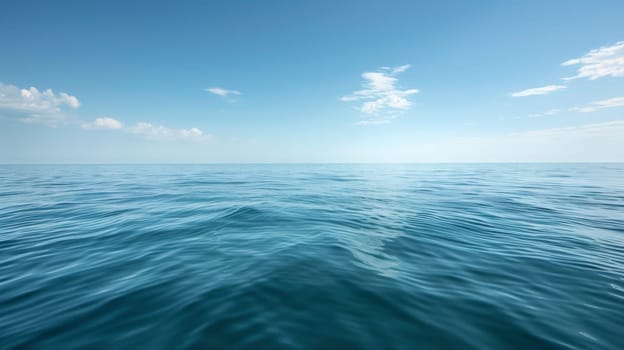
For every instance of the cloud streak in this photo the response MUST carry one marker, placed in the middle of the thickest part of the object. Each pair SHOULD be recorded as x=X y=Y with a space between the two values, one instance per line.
x=376 y=121
x=222 y=92
x=547 y=113
x=599 y=63
x=381 y=98
x=544 y=90
x=611 y=127
x=595 y=142
x=598 y=105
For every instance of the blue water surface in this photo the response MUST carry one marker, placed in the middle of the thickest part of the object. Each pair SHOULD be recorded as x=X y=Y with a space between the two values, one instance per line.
x=496 y=256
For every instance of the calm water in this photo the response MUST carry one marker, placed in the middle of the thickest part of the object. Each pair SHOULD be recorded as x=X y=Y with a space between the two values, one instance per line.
x=312 y=257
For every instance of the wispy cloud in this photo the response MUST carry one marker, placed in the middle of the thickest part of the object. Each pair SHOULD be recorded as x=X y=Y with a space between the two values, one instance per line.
x=400 y=69
x=148 y=130
x=35 y=106
x=222 y=92
x=607 y=61
x=382 y=98
x=616 y=126
x=159 y=132
x=599 y=63
x=549 y=112
x=598 y=105
x=538 y=91
x=596 y=142
x=103 y=123
x=376 y=121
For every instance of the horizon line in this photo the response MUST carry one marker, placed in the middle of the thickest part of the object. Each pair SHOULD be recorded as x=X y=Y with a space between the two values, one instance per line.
x=322 y=163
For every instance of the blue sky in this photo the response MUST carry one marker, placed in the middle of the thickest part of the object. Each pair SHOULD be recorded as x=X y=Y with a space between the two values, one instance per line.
x=311 y=81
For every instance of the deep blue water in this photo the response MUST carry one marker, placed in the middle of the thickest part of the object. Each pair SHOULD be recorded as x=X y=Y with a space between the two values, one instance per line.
x=312 y=256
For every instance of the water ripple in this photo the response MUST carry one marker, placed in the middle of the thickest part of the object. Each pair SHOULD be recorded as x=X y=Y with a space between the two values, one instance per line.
x=521 y=256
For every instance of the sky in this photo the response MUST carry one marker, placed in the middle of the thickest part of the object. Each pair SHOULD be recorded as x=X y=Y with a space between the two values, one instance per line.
x=311 y=81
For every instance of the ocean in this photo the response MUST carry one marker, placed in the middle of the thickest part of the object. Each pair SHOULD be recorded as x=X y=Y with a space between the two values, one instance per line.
x=312 y=256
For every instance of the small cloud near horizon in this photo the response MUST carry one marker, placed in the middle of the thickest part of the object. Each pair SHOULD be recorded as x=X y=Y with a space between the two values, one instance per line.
x=35 y=106
x=151 y=131
x=148 y=130
x=103 y=123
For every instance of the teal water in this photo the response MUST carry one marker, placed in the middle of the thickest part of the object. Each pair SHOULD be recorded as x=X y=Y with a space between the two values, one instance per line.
x=526 y=256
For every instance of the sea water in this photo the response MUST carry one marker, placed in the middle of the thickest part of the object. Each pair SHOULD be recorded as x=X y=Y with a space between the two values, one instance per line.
x=334 y=256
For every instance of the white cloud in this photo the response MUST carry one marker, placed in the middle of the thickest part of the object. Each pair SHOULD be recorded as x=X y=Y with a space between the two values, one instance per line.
x=597 y=105
x=538 y=91
x=47 y=107
x=148 y=130
x=382 y=98
x=400 y=69
x=36 y=106
x=103 y=123
x=599 y=63
x=160 y=132
x=549 y=112
x=222 y=92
